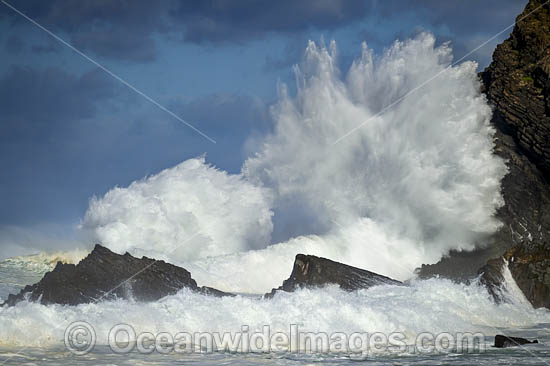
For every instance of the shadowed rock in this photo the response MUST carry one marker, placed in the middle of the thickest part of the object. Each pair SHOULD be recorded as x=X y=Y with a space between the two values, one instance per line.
x=502 y=341
x=491 y=276
x=312 y=271
x=105 y=275
x=530 y=269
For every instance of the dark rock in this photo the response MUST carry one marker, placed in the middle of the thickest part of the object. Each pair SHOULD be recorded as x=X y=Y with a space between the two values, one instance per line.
x=491 y=276
x=104 y=275
x=213 y=292
x=312 y=271
x=502 y=341
x=530 y=268
x=517 y=86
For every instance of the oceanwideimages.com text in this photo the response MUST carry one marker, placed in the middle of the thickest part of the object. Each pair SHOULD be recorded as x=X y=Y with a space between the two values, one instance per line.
x=81 y=338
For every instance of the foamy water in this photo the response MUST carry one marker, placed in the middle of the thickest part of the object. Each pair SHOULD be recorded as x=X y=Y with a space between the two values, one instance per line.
x=17 y=272
x=425 y=306
x=34 y=334
x=408 y=185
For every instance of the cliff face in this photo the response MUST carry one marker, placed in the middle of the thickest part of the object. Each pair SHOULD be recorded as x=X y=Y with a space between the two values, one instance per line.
x=517 y=85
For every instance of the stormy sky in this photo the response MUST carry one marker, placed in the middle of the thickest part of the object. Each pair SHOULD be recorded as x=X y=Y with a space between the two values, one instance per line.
x=69 y=130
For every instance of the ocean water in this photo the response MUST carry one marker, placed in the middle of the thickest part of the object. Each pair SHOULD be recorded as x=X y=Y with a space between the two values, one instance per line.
x=537 y=355
x=34 y=334
x=341 y=176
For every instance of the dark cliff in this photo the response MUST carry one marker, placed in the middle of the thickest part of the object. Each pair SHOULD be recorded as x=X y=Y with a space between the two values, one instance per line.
x=517 y=86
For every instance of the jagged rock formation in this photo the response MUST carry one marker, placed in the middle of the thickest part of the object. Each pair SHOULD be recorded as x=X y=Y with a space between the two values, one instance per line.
x=502 y=341
x=312 y=271
x=517 y=85
x=105 y=275
x=530 y=268
x=491 y=276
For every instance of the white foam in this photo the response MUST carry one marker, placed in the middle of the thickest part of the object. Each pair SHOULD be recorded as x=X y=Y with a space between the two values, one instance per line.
x=360 y=244
x=413 y=182
x=422 y=171
x=434 y=306
x=513 y=292
x=190 y=211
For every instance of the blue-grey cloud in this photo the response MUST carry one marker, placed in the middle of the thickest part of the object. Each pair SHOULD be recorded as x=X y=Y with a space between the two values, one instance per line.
x=126 y=30
x=231 y=119
x=41 y=110
x=40 y=97
x=467 y=23
x=222 y=21
x=65 y=138
x=14 y=44
x=112 y=28
x=46 y=48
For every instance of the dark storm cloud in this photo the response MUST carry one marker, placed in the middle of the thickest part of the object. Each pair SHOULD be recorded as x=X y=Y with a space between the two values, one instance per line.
x=223 y=21
x=464 y=16
x=120 y=45
x=33 y=100
x=466 y=23
x=112 y=28
x=125 y=29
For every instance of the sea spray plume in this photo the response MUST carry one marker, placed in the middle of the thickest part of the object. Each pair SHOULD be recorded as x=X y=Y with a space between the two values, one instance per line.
x=415 y=181
x=154 y=216
x=422 y=170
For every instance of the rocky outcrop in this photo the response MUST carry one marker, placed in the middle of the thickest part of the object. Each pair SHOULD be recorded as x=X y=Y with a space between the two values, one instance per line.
x=530 y=269
x=502 y=341
x=517 y=85
x=311 y=271
x=491 y=276
x=104 y=275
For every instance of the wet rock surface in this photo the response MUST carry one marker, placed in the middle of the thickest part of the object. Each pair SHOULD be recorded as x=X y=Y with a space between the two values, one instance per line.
x=311 y=271
x=105 y=275
x=492 y=277
x=502 y=341
x=530 y=268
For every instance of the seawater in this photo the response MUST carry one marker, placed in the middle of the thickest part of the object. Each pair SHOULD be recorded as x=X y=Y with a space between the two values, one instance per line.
x=33 y=334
